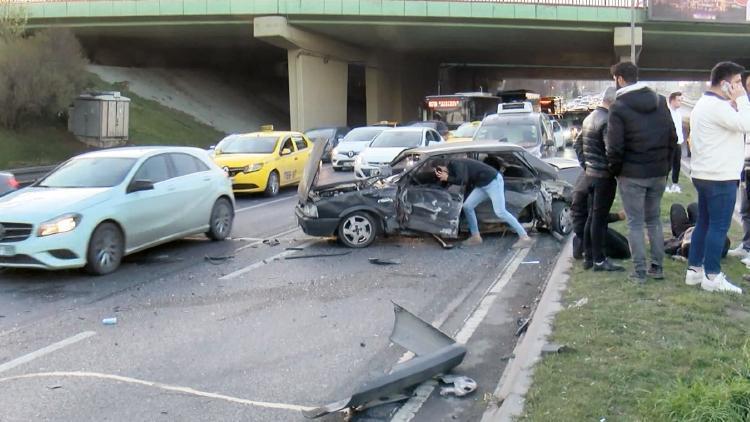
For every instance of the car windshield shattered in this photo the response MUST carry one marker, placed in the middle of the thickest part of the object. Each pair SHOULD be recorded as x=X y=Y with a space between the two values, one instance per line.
x=89 y=173
x=396 y=139
x=248 y=145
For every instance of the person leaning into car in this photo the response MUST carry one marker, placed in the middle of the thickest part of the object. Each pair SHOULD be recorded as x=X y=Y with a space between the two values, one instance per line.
x=487 y=183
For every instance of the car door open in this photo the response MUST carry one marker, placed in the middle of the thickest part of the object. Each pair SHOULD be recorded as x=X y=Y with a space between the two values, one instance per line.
x=426 y=206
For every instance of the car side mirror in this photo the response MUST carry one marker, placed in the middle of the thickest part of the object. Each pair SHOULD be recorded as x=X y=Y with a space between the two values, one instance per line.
x=212 y=147
x=286 y=151
x=140 y=185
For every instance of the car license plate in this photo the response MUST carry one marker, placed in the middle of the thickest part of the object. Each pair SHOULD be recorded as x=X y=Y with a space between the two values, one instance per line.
x=6 y=250
x=346 y=165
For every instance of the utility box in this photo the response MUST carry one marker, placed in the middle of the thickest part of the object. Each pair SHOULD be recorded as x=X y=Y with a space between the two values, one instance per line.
x=100 y=119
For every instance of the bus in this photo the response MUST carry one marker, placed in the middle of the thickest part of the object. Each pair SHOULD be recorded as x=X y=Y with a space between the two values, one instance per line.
x=459 y=108
x=521 y=96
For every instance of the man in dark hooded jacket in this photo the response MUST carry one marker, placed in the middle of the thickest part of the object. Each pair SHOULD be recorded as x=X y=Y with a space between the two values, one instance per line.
x=639 y=144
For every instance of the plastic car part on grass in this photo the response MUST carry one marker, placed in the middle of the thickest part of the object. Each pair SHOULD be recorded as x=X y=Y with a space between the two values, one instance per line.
x=436 y=353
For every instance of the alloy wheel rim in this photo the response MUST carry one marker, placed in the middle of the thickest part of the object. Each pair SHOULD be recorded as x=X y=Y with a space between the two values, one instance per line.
x=357 y=230
x=107 y=250
x=222 y=220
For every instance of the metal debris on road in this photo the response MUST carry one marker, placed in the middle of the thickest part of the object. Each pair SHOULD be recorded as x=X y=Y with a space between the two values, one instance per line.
x=316 y=255
x=217 y=260
x=54 y=387
x=294 y=249
x=271 y=242
x=461 y=385
x=381 y=261
x=523 y=325
x=442 y=242
x=109 y=321
x=530 y=262
x=436 y=353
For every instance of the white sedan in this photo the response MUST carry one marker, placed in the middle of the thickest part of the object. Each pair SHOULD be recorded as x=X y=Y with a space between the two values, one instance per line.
x=389 y=144
x=98 y=207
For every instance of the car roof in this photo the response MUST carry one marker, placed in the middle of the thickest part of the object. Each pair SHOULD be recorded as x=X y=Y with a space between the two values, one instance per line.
x=532 y=116
x=138 y=152
x=459 y=147
x=407 y=129
x=259 y=134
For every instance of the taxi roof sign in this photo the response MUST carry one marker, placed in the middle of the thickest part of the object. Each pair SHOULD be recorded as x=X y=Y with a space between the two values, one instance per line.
x=519 y=107
x=266 y=128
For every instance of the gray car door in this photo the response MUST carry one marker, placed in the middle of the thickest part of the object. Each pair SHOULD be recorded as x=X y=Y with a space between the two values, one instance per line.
x=428 y=207
x=192 y=188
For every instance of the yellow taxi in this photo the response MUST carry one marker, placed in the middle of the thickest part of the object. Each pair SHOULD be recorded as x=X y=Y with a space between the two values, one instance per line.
x=465 y=132
x=263 y=161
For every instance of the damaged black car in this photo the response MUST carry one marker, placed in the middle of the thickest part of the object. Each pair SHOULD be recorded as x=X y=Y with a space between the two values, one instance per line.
x=406 y=197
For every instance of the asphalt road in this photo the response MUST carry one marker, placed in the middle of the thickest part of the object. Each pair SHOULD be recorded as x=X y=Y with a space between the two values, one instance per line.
x=256 y=336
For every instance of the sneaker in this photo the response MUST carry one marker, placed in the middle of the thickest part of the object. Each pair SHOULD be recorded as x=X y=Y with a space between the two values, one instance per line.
x=472 y=241
x=668 y=189
x=746 y=260
x=523 y=242
x=638 y=277
x=739 y=252
x=719 y=284
x=675 y=188
x=607 y=266
x=693 y=277
x=656 y=272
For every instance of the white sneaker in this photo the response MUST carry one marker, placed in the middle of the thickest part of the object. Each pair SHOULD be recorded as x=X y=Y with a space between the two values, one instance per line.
x=739 y=252
x=746 y=260
x=719 y=284
x=668 y=189
x=676 y=188
x=693 y=278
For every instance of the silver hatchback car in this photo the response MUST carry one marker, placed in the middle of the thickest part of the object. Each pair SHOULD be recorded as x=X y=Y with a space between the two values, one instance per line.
x=98 y=207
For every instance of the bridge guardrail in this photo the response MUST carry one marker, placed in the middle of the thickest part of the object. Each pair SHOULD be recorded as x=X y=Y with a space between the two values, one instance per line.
x=28 y=175
x=639 y=4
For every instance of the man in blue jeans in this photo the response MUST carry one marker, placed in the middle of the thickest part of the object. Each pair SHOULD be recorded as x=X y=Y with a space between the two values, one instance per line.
x=718 y=124
x=487 y=183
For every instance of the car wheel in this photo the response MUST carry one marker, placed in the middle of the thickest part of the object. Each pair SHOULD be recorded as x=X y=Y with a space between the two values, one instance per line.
x=358 y=230
x=106 y=248
x=272 y=187
x=335 y=168
x=222 y=217
x=562 y=220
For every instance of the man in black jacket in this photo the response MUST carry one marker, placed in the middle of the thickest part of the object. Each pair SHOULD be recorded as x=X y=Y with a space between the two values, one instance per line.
x=639 y=142
x=487 y=183
x=603 y=184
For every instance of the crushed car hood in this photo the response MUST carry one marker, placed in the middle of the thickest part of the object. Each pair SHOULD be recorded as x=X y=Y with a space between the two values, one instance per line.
x=312 y=169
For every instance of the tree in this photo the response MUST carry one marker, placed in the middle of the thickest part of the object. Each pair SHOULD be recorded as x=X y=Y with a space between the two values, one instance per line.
x=13 y=19
x=40 y=74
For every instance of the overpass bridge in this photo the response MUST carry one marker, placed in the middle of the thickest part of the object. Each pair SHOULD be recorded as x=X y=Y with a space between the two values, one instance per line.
x=405 y=48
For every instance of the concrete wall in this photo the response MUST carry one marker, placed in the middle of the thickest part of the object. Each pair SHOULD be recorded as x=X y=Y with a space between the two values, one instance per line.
x=317 y=90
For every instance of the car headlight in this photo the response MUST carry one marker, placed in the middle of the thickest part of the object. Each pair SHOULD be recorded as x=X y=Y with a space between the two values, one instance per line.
x=310 y=210
x=62 y=224
x=335 y=151
x=253 y=168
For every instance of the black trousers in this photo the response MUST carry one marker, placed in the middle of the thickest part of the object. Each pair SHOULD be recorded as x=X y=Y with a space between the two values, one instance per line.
x=601 y=197
x=676 y=163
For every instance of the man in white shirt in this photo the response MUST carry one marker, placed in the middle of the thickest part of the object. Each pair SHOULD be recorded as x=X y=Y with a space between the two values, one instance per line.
x=718 y=133
x=675 y=102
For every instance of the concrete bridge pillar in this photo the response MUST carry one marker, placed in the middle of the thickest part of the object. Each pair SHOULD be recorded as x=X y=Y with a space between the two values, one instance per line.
x=622 y=43
x=318 y=72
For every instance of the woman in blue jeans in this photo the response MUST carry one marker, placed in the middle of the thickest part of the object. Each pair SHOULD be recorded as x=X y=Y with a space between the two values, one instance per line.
x=487 y=183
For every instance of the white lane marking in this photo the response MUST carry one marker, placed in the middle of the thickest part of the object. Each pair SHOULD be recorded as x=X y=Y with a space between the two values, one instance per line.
x=45 y=351
x=167 y=387
x=275 y=236
x=258 y=264
x=409 y=410
x=275 y=201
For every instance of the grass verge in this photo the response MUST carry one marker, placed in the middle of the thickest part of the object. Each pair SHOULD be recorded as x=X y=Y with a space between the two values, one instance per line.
x=44 y=142
x=660 y=352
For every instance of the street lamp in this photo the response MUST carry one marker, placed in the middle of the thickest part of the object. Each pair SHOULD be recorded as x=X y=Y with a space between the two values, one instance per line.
x=632 y=31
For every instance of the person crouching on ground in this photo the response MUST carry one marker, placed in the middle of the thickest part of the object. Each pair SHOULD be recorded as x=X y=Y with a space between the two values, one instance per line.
x=487 y=183
x=718 y=131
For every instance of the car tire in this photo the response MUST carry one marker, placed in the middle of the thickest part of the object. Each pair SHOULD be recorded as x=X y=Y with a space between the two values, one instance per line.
x=222 y=218
x=273 y=185
x=106 y=249
x=562 y=222
x=335 y=168
x=357 y=230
